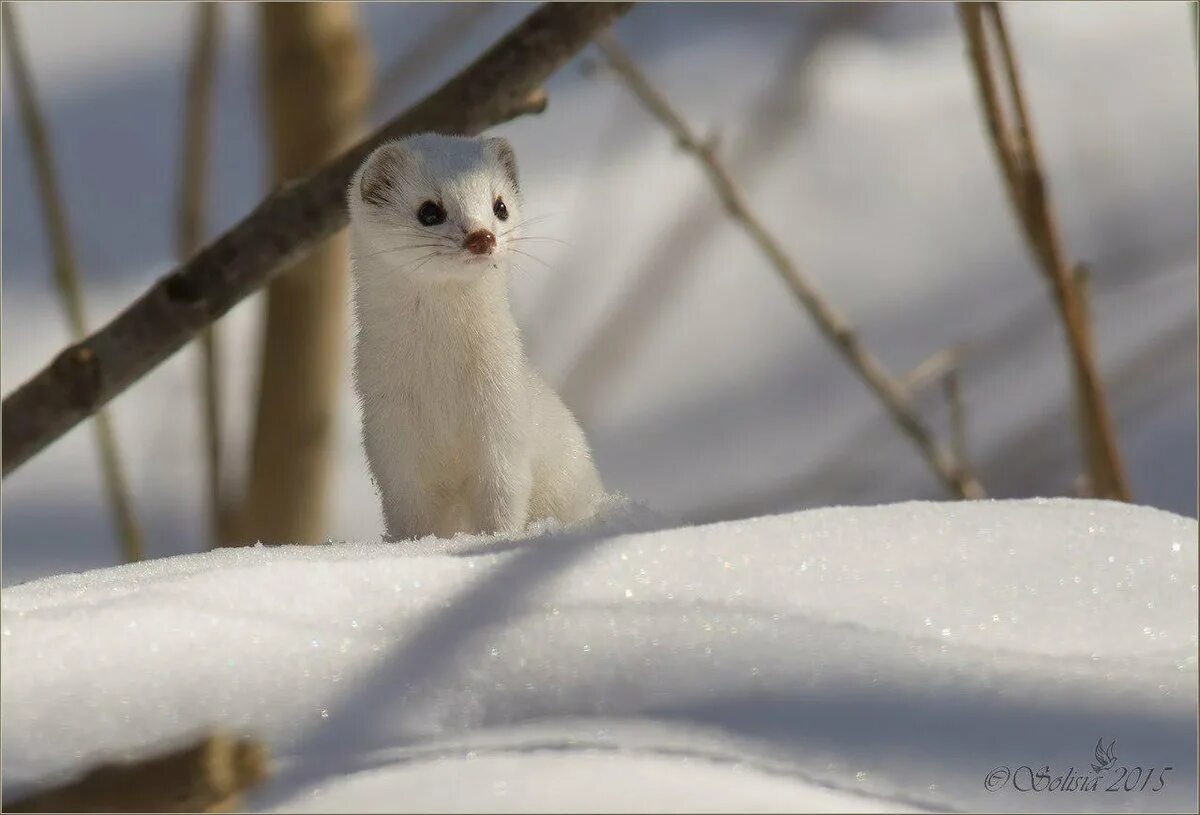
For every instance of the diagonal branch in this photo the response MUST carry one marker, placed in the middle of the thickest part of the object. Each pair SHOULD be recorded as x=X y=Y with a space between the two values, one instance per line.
x=896 y=400
x=193 y=195
x=66 y=278
x=932 y=369
x=1016 y=151
x=505 y=82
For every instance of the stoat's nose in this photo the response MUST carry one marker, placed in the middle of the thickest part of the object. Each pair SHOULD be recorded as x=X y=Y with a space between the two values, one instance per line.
x=480 y=242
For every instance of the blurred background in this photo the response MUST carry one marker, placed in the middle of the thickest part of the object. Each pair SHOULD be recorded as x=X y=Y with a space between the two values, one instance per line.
x=855 y=131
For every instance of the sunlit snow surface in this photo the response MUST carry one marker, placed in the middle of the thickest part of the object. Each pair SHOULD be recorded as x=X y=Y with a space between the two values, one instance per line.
x=884 y=658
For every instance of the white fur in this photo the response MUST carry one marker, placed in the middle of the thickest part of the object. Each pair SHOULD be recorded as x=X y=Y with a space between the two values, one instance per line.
x=461 y=434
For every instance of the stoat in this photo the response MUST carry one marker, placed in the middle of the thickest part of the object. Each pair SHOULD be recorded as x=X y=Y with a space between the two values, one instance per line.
x=461 y=434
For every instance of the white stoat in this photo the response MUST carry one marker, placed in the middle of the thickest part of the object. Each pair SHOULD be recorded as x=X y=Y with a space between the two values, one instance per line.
x=461 y=434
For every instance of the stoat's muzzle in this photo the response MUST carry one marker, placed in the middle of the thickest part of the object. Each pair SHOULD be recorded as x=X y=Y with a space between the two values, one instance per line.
x=480 y=242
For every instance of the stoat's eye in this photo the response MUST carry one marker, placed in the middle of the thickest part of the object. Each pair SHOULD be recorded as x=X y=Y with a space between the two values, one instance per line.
x=500 y=210
x=431 y=214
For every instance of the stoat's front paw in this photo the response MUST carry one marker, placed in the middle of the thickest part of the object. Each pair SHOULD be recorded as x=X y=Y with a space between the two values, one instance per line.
x=501 y=508
x=501 y=520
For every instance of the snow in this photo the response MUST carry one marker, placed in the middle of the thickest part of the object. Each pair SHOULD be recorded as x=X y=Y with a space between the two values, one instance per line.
x=858 y=138
x=846 y=658
x=540 y=778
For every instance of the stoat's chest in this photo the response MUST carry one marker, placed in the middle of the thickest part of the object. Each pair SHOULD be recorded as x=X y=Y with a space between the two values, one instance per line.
x=446 y=378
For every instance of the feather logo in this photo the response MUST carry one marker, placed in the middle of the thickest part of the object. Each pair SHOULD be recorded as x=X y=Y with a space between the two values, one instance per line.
x=1105 y=757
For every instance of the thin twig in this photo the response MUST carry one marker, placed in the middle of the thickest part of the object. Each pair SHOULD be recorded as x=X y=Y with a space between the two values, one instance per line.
x=1085 y=482
x=952 y=387
x=832 y=325
x=209 y=775
x=624 y=330
x=503 y=83
x=945 y=367
x=1016 y=151
x=193 y=195
x=66 y=278
x=934 y=368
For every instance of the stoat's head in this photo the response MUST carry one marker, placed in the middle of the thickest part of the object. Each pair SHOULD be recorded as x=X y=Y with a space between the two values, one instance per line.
x=436 y=207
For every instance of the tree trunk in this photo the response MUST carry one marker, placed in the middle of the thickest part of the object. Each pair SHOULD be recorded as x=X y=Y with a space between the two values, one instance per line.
x=316 y=76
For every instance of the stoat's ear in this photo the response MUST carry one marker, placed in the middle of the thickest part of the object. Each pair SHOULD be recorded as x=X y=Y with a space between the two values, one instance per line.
x=503 y=152
x=384 y=166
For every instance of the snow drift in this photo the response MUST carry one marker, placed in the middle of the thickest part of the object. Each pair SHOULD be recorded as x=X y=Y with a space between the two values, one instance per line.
x=885 y=658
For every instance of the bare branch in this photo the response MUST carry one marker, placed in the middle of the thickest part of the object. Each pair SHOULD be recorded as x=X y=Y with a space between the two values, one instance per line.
x=502 y=84
x=66 y=278
x=1082 y=279
x=1016 y=151
x=832 y=325
x=193 y=195
x=623 y=330
x=934 y=368
x=945 y=367
x=958 y=417
x=209 y=775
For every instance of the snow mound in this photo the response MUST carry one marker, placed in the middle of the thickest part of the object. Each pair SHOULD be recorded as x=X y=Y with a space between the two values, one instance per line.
x=884 y=658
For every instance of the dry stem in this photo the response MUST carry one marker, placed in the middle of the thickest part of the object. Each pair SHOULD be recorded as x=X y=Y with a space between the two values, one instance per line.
x=945 y=367
x=832 y=325
x=66 y=278
x=625 y=328
x=1024 y=180
x=934 y=368
x=952 y=388
x=315 y=67
x=193 y=194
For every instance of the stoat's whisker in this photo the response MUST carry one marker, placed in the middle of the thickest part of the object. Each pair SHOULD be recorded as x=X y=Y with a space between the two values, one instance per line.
x=425 y=241
x=421 y=260
x=526 y=222
x=420 y=230
x=424 y=257
x=425 y=261
x=531 y=257
x=543 y=216
x=408 y=246
x=409 y=229
x=540 y=238
x=430 y=236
